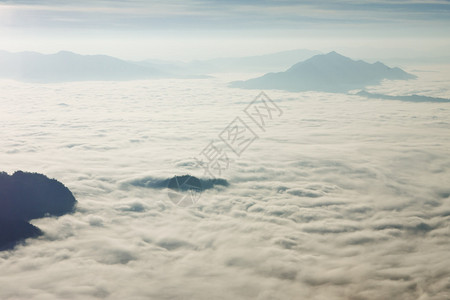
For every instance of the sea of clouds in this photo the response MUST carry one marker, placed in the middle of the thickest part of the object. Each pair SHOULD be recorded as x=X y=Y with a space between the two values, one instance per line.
x=341 y=197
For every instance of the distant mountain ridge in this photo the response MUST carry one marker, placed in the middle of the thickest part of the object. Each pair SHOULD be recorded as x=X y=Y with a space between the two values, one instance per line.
x=324 y=72
x=330 y=72
x=67 y=66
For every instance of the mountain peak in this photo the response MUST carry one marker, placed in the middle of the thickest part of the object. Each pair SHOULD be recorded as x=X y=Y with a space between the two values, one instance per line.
x=322 y=61
x=331 y=72
x=333 y=53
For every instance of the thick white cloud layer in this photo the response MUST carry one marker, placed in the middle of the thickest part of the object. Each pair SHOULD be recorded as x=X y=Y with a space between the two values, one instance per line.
x=342 y=197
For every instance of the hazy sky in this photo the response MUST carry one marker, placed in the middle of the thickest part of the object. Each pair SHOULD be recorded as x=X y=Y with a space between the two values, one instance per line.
x=190 y=29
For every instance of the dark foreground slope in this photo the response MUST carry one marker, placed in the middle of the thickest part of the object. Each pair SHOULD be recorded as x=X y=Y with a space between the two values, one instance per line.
x=26 y=196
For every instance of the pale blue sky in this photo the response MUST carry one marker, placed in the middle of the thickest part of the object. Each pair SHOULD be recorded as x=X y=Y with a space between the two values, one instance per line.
x=197 y=29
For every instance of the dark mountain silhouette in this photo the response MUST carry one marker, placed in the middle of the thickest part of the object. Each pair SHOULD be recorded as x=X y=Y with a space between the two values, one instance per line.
x=67 y=66
x=182 y=190
x=26 y=196
x=330 y=72
x=409 y=98
x=14 y=231
x=159 y=183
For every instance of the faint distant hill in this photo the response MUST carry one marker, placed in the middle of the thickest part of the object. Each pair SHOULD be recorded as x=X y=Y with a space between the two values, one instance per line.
x=247 y=64
x=407 y=98
x=27 y=196
x=330 y=72
x=67 y=66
